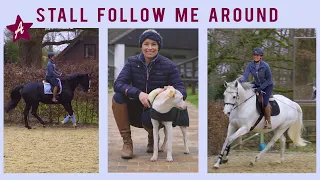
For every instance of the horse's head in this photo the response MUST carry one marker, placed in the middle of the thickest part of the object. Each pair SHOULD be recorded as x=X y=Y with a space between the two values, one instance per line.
x=85 y=82
x=231 y=95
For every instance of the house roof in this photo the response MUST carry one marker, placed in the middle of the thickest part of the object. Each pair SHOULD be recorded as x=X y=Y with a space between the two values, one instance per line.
x=116 y=34
x=172 y=38
x=74 y=42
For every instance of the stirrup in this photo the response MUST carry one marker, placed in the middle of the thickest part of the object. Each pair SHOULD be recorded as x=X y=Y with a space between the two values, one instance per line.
x=267 y=126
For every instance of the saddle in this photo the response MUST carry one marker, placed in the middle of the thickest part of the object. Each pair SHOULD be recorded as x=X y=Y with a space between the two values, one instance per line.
x=48 y=89
x=275 y=110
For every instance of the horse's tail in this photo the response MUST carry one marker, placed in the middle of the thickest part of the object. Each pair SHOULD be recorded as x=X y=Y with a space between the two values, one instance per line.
x=296 y=129
x=15 y=98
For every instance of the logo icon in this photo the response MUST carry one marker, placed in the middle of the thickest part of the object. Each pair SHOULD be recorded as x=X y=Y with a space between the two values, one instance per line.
x=20 y=29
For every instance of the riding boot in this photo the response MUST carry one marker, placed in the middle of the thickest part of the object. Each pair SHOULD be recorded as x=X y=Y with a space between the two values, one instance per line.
x=267 y=114
x=150 y=140
x=54 y=95
x=120 y=112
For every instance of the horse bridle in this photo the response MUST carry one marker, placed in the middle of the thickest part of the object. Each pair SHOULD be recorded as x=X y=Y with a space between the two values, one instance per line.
x=237 y=97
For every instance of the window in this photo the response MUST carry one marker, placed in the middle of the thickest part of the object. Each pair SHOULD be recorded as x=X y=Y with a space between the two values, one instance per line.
x=89 y=51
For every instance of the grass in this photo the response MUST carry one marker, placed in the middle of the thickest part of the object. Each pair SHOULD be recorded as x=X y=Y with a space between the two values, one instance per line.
x=192 y=98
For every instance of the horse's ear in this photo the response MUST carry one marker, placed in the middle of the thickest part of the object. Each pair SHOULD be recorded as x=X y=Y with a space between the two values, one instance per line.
x=236 y=85
x=225 y=84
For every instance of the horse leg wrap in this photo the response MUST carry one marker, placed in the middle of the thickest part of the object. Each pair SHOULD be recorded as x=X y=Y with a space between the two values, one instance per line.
x=227 y=149
x=73 y=119
x=220 y=157
x=66 y=119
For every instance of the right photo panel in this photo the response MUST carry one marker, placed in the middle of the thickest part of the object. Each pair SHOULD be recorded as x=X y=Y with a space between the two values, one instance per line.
x=261 y=101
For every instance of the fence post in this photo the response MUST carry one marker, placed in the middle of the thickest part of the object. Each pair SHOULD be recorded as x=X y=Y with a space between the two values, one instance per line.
x=262 y=145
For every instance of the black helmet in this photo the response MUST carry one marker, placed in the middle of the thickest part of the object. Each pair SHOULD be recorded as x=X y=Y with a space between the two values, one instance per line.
x=50 y=54
x=257 y=51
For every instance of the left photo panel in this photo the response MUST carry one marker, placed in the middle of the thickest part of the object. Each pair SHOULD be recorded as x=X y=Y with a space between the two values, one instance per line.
x=51 y=101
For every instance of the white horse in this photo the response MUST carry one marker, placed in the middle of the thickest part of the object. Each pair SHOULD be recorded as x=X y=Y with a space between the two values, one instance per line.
x=240 y=106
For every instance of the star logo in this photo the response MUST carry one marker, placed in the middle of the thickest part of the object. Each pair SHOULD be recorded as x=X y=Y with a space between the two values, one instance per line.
x=20 y=29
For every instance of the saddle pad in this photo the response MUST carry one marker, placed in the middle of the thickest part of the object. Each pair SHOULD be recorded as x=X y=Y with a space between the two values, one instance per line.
x=275 y=110
x=47 y=87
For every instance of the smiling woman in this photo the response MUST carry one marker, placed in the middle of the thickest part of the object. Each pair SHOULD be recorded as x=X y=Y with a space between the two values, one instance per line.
x=142 y=74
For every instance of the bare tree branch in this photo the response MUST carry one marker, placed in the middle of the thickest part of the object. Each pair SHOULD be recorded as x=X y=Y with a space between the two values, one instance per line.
x=56 y=43
x=59 y=30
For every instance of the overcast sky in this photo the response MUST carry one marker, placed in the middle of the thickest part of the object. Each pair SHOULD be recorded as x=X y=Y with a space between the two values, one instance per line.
x=56 y=36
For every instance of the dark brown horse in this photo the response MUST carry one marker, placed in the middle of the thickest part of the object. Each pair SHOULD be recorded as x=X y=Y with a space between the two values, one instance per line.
x=33 y=94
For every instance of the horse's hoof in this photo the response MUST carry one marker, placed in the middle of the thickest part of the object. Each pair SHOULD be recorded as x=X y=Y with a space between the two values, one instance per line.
x=224 y=161
x=215 y=167
x=28 y=127
x=160 y=150
x=251 y=164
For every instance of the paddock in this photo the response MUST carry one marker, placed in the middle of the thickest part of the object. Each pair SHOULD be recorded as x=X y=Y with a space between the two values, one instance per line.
x=54 y=149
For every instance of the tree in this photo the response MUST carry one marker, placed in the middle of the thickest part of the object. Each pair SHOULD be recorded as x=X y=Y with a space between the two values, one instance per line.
x=30 y=52
x=229 y=50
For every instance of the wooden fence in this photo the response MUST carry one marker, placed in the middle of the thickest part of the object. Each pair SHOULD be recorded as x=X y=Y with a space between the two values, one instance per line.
x=189 y=73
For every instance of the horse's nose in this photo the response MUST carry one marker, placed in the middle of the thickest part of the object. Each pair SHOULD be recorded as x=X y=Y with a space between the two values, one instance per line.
x=228 y=113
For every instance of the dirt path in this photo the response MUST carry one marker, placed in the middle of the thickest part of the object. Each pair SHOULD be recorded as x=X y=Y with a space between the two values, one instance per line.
x=295 y=162
x=51 y=150
x=141 y=161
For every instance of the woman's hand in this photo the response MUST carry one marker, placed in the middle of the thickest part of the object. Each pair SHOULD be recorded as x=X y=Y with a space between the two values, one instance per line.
x=143 y=97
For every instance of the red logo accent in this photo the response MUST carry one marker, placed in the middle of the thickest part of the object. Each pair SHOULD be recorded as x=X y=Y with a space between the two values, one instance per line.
x=20 y=29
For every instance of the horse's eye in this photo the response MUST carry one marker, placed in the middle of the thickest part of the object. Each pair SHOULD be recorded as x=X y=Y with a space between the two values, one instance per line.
x=234 y=97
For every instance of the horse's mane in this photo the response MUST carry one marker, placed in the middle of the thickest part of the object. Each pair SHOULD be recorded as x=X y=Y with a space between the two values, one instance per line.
x=73 y=76
x=247 y=85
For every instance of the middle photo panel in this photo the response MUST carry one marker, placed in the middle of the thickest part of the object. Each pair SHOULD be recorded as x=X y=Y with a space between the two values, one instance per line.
x=153 y=100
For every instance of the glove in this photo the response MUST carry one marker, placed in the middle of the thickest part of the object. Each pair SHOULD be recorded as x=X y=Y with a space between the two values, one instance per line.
x=240 y=79
x=258 y=90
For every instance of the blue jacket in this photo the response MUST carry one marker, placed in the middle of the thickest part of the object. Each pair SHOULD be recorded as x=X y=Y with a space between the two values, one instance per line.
x=51 y=70
x=262 y=76
x=136 y=77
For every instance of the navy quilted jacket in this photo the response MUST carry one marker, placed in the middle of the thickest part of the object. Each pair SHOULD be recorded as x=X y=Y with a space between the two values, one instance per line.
x=136 y=77
x=262 y=76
